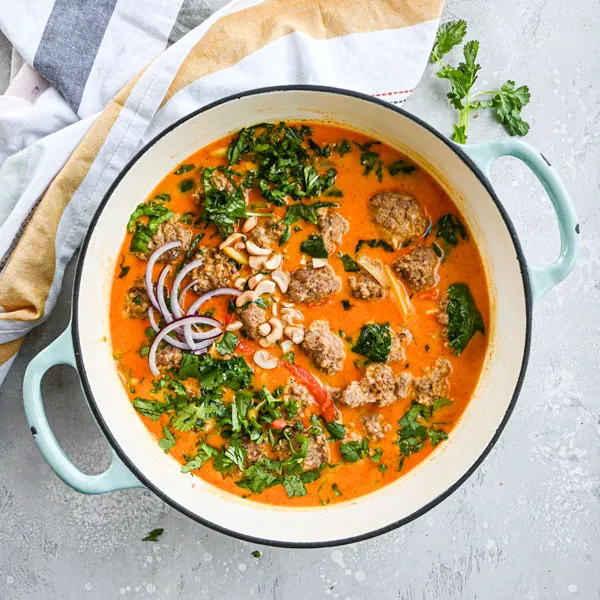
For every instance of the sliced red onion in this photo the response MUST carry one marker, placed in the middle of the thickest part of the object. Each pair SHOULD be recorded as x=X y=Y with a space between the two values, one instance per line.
x=178 y=343
x=160 y=293
x=150 y=267
x=190 y=335
x=186 y=289
x=163 y=334
x=152 y=319
x=224 y=291
x=175 y=307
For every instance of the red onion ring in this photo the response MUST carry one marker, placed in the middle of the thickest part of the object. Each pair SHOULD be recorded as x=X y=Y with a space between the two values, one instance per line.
x=150 y=267
x=160 y=294
x=164 y=333
x=152 y=319
x=186 y=289
x=224 y=291
x=177 y=312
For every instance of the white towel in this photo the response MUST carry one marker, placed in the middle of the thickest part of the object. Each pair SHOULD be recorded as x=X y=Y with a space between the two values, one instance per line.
x=103 y=77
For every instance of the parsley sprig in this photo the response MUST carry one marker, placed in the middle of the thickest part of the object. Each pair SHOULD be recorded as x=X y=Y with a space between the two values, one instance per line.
x=507 y=102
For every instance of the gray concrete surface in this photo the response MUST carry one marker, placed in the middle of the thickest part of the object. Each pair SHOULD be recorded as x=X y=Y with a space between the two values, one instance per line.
x=527 y=523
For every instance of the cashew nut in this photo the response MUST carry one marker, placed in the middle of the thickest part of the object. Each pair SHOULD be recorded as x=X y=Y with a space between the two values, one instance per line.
x=234 y=237
x=257 y=262
x=235 y=326
x=265 y=287
x=257 y=250
x=264 y=329
x=276 y=330
x=254 y=280
x=287 y=345
x=289 y=315
x=295 y=333
x=318 y=263
x=239 y=283
x=265 y=360
x=273 y=262
x=247 y=296
x=282 y=279
x=249 y=224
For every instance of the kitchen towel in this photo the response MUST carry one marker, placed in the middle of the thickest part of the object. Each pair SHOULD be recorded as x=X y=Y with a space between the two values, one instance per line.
x=100 y=78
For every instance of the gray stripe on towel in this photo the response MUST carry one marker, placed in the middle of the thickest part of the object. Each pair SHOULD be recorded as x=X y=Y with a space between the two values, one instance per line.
x=70 y=43
x=191 y=14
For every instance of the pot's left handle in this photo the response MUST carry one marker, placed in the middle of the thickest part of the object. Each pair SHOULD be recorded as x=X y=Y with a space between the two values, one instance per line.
x=116 y=477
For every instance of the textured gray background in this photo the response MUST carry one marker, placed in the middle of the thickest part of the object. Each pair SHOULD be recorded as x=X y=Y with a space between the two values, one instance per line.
x=527 y=523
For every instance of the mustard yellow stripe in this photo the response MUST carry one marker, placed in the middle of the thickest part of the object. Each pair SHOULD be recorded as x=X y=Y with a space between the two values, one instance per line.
x=9 y=349
x=238 y=35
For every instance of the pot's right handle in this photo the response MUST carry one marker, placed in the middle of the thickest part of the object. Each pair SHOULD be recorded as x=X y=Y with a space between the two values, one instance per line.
x=116 y=477
x=542 y=278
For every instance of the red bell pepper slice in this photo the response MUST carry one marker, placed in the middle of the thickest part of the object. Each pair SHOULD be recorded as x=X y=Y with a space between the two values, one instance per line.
x=313 y=385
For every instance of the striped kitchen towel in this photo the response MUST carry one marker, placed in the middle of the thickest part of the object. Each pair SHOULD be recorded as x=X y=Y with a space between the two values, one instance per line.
x=100 y=78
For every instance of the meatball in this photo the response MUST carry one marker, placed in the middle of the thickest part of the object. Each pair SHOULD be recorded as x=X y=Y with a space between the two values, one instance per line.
x=136 y=300
x=434 y=382
x=317 y=453
x=313 y=285
x=325 y=349
x=297 y=392
x=168 y=357
x=254 y=451
x=442 y=316
x=418 y=267
x=364 y=286
x=267 y=232
x=377 y=386
x=216 y=270
x=399 y=342
x=403 y=385
x=399 y=216
x=252 y=317
x=373 y=425
x=171 y=231
x=332 y=227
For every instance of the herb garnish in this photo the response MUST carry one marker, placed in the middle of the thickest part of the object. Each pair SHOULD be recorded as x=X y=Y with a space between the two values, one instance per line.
x=186 y=185
x=374 y=244
x=355 y=450
x=349 y=263
x=124 y=270
x=401 y=166
x=507 y=102
x=184 y=169
x=314 y=246
x=143 y=232
x=463 y=317
x=450 y=229
x=153 y=535
x=168 y=441
x=308 y=212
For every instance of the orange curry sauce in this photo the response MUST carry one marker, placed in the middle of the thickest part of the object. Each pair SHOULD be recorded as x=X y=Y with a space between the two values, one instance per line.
x=463 y=264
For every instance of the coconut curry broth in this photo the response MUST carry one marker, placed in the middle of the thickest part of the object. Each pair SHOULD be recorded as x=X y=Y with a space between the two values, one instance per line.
x=359 y=462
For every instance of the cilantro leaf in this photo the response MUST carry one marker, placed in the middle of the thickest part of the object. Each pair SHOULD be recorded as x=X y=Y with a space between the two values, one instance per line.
x=257 y=479
x=355 y=450
x=227 y=344
x=153 y=409
x=449 y=34
x=153 y=535
x=508 y=103
x=294 y=486
x=168 y=441
x=205 y=452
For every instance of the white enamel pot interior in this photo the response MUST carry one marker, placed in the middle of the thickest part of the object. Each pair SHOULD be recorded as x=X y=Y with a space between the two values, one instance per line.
x=433 y=479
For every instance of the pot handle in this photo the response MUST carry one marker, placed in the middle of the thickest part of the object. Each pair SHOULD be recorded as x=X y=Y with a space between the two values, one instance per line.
x=542 y=278
x=116 y=477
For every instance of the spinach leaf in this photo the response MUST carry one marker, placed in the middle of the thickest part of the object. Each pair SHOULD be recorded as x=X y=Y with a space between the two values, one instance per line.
x=314 y=246
x=346 y=304
x=124 y=270
x=186 y=185
x=183 y=169
x=223 y=204
x=349 y=263
x=142 y=232
x=449 y=228
x=308 y=212
x=163 y=196
x=355 y=450
x=227 y=344
x=374 y=244
x=342 y=147
x=401 y=166
x=463 y=317
x=374 y=342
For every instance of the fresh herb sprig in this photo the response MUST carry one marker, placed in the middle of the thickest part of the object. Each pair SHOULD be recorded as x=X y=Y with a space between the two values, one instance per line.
x=507 y=102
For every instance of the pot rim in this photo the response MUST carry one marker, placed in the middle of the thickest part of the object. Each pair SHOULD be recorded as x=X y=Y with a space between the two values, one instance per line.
x=163 y=495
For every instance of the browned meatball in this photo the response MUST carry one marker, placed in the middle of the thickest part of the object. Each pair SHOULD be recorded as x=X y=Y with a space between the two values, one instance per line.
x=399 y=342
x=168 y=357
x=403 y=385
x=218 y=180
x=332 y=227
x=364 y=286
x=399 y=216
x=442 y=316
x=418 y=267
x=377 y=385
x=136 y=300
x=313 y=285
x=325 y=349
x=252 y=317
x=254 y=451
x=434 y=382
x=373 y=425
x=318 y=450
x=216 y=270
x=267 y=232
x=171 y=231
